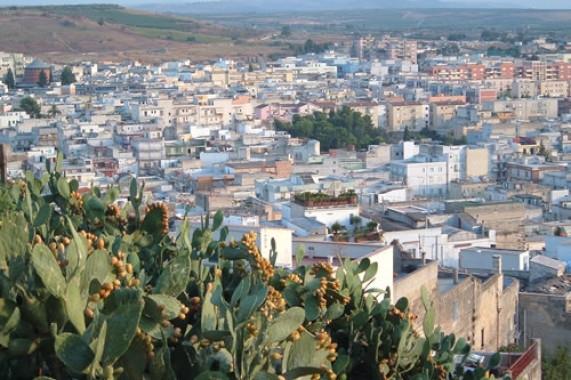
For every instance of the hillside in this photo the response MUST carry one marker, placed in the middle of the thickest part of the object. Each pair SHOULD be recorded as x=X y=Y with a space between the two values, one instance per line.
x=63 y=33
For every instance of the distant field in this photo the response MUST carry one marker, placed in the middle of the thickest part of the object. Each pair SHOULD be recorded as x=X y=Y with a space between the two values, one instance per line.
x=405 y=19
x=99 y=32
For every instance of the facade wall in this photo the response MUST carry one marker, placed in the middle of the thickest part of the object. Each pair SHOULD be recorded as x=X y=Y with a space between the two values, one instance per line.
x=477 y=162
x=546 y=316
x=401 y=116
x=481 y=312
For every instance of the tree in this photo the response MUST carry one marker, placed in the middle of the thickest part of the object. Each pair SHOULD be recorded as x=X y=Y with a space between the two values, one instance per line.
x=372 y=225
x=101 y=21
x=336 y=227
x=407 y=135
x=286 y=31
x=9 y=79
x=43 y=80
x=54 y=111
x=336 y=129
x=558 y=367
x=67 y=76
x=356 y=220
x=30 y=106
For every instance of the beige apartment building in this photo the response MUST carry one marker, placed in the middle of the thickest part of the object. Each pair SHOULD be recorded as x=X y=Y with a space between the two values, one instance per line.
x=442 y=112
x=554 y=88
x=415 y=116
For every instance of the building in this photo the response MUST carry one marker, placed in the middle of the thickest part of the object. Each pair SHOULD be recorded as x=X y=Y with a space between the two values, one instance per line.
x=425 y=175
x=482 y=310
x=524 y=109
x=33 y=70
x=404 y=50
x=544 y=308
x=483 y=259
x=316 y=251
x=442 y=112
x=415 y=116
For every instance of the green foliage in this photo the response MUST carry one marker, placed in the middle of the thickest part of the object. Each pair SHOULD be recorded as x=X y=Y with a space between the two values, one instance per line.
x=456 y=37
x=67 y=76
x=30 y=106
x=89 y=290
x=406 y=135
x=447 y=139
x=558 y=366
x=53 y=111
x=9 y=79
x=310 y=46
x=43 y=80
x=450 y=49
x=286 y=31
x=334 y=130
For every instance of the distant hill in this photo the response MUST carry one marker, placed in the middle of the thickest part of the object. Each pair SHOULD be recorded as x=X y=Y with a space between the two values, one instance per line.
x=271 y=6
x=61 y=33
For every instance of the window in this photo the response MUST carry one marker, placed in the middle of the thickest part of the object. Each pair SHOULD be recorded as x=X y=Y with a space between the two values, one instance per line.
x=455 y=311
x=482 y=337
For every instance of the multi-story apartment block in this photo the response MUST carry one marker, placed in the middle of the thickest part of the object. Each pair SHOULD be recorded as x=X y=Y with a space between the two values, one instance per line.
x=524 y=109
x=442 y=112
x=554 y=88
x=415 y=116
x=406 y=50
x=425 y=175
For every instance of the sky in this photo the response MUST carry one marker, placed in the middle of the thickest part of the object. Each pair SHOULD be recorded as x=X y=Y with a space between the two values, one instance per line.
x=543 y=4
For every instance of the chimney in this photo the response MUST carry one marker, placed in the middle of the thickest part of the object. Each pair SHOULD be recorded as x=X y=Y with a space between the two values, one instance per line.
x=456 y=275
x=423 y=257
x=497 y=264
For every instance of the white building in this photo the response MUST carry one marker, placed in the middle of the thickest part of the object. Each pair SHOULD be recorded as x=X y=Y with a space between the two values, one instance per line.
x=423 y=175
x=317 y=251
x=328 y=215
x=482 y=259
x=282 y=237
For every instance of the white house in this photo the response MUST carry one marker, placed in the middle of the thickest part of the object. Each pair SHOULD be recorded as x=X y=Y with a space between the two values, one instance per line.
x=281 y=235
x=317 y=251
x=482 y=259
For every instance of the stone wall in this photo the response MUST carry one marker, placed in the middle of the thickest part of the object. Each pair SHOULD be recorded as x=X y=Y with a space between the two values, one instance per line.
x=482 y=312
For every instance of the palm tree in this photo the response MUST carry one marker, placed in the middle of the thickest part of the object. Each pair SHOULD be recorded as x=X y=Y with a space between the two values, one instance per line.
x=336 y=227
x=54 y=111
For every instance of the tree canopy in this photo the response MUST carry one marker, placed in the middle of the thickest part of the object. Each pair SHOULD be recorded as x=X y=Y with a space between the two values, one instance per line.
x=43 y=79
x=9 y=79
x=67 y=76
x=337 y=129
x=30 y=106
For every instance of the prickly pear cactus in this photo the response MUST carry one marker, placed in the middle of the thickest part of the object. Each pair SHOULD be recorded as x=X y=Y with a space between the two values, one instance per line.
x=91 y=290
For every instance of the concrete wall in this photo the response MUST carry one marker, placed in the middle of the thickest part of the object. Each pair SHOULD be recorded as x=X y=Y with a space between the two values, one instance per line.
x=505 y=218
x=546 y=316
x=475 y=258
x=477 y=162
